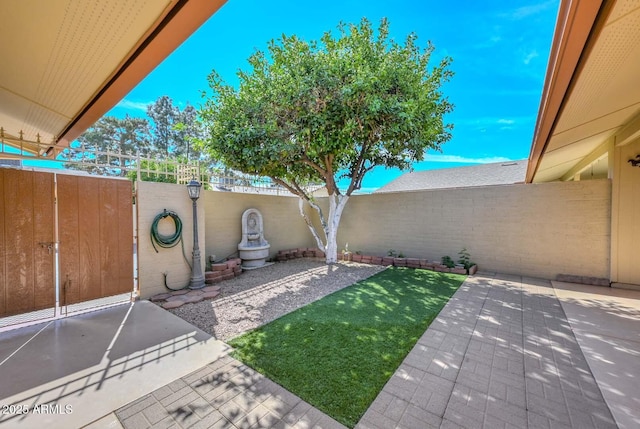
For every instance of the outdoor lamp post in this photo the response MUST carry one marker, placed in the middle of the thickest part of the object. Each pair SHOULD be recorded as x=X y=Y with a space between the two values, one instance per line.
x=197 y=278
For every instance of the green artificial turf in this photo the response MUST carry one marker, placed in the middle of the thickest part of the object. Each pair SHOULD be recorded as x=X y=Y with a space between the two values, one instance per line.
x=338 y=352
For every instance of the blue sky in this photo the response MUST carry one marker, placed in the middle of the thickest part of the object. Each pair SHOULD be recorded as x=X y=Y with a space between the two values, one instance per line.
x=499 y=49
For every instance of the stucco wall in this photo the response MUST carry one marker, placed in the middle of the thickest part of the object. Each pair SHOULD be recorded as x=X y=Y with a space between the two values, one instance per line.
x=536 y=230
x=284 y=228
x=625 y=228
x=152 y=199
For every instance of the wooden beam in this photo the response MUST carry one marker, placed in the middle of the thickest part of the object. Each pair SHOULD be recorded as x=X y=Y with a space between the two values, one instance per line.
x=585 y=162
x=629 y=133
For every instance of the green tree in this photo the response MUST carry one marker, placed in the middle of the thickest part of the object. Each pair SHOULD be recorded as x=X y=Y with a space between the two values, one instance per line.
x=188 y=133
x=320 y=111
x=164 y=117
x=109 y=134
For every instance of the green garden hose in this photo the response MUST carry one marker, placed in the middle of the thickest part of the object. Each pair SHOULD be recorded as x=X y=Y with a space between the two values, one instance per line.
x=168 y=241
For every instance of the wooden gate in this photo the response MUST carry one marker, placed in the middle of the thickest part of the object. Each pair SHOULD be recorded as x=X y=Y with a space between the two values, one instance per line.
x=94 y=225
x=26 y=232
x=96 y=237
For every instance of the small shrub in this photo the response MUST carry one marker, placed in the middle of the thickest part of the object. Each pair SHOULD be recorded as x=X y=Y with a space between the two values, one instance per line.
x=465 y=259
x=392 y=253
x=448 y=262
x=401 y=255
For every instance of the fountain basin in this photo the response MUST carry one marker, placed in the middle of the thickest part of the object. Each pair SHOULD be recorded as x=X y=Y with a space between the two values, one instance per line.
x=253 y=256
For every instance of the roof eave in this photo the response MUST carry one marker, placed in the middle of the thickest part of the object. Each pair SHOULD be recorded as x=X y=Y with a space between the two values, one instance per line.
x=575 y=24
x=161 y=40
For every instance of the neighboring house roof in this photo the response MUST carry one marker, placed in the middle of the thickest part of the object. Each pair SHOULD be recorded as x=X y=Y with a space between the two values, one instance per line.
x=498 y=173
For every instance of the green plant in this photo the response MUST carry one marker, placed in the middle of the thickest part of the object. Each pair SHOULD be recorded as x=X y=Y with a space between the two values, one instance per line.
x=329 y=111
x=448 y=262
x=400 y=255
x=392 y=253
x=465 y=259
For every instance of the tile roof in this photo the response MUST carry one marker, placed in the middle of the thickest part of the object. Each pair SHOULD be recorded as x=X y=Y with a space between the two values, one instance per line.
x=498 y=173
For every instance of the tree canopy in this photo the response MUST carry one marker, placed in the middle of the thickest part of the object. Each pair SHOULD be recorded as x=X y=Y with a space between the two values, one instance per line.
x=329 y=109
x=167 y=133
x=113 y=135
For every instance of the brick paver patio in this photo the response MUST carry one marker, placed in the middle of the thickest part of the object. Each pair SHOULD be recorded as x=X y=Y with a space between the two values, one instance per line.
x=501 y=354
x=223 y=395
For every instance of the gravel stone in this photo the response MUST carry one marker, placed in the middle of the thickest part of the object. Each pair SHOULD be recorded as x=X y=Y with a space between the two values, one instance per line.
x=259 y=296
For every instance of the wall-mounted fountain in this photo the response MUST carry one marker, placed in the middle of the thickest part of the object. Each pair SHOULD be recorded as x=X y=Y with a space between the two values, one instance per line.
x=253 y=249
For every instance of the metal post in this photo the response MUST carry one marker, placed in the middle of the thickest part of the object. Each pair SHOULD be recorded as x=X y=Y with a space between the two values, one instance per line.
x=197 y=278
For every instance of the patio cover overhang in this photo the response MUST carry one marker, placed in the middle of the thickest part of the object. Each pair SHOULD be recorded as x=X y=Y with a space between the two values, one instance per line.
x=67 y=62
x=591 y=96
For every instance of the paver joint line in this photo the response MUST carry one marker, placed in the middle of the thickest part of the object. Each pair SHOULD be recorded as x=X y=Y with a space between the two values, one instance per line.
x=520 y=365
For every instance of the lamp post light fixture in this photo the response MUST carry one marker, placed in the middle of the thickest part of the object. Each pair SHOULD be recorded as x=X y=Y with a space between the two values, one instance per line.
x=197 y=278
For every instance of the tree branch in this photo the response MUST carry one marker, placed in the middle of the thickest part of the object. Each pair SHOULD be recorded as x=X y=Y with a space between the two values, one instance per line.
x=321 y=245
x=295 y=189
x=330 y=180
x=358 y=173
x=306 y=160
x=323 y=221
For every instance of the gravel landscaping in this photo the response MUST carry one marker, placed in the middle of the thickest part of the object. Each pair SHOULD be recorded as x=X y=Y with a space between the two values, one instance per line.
x=259 y=296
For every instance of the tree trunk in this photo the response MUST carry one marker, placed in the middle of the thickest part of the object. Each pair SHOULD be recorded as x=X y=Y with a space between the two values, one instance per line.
x=312 y=228
x=336 y=206
x=330 y=226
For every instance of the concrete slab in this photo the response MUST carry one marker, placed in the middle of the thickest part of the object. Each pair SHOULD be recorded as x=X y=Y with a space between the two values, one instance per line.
x=606 y=323
x=109 y=421
x=72 y=372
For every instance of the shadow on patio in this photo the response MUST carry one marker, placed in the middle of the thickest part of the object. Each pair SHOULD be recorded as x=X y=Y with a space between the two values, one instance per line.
x=84 y=367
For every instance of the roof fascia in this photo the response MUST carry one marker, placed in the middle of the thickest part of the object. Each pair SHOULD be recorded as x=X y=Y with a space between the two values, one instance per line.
x=578 y=25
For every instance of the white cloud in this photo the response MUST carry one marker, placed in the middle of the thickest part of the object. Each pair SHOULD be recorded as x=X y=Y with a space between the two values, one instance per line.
x=488 y=43
x=134 y=105
x=488 y=122
x=531 y=55
x=463 y=159
x=526 y=11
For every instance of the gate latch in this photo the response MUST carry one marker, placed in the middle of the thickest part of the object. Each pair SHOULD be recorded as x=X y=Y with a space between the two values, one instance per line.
x=47 y=244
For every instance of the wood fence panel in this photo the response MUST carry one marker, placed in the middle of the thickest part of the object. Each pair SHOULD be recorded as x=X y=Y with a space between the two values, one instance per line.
x=69 y=225
x=44 y=240
x=27 y=219
x=98 y=261
x=89 y=238
x=125 y=237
